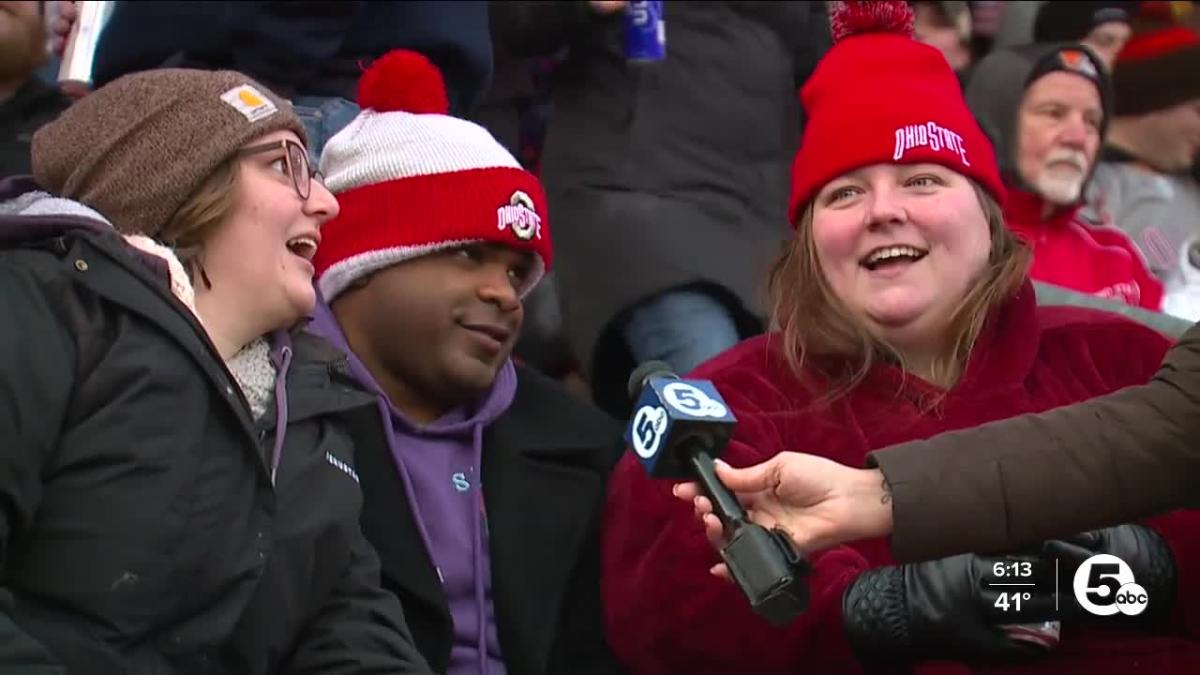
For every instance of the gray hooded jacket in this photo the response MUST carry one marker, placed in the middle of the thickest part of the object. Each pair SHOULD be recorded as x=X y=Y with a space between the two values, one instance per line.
x=997 y=87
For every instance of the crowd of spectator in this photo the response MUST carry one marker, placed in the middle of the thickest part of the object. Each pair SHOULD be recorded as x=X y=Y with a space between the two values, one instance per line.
x=321 y=316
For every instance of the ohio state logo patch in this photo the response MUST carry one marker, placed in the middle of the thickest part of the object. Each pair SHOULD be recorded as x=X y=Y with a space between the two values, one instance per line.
x=520 y=215
x=929 y=135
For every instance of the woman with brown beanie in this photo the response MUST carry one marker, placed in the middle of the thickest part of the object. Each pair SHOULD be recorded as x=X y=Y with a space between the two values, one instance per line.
x=176 y=495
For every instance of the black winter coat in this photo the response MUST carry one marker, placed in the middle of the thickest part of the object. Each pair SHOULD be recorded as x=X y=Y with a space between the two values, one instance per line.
x=545 y=464
x=35 y=103
x=139 y=528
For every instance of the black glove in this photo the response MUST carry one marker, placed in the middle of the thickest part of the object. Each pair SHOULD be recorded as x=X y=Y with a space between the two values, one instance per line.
x=936 y=610
x=1148 y=557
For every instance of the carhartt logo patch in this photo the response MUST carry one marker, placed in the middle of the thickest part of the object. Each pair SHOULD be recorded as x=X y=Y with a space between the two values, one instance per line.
x=252 y=103
x=928 y=135
x=520 y=214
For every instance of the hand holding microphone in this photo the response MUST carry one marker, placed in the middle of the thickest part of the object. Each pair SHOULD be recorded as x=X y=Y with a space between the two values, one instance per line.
x=942 y=609
x=817 y=501
x=679 y=427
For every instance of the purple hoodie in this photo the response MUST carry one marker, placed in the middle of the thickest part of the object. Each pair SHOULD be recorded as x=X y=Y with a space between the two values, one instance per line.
x=440 y=465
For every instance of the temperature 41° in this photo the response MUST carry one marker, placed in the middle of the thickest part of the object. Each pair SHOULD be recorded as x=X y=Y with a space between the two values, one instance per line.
x=1011 y=601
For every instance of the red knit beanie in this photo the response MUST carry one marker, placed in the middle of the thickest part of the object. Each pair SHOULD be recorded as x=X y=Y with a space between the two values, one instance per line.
x=412 y=180
x=1158 y=68
x=879 y=96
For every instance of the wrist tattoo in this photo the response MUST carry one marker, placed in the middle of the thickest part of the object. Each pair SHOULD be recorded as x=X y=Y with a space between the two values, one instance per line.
x=887 y=492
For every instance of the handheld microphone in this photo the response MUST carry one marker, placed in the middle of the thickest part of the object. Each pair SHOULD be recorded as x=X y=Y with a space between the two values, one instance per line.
x=678 y=428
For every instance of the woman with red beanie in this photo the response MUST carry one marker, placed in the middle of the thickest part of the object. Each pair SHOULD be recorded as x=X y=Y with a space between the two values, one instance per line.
x=904 y=310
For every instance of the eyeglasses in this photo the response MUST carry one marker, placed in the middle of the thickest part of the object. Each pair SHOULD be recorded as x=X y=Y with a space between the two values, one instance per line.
x=296 y=158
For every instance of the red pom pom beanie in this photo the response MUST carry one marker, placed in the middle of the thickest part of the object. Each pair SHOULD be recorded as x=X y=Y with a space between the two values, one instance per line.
x=411 y=180
x=879 y=96
x=1158 y=69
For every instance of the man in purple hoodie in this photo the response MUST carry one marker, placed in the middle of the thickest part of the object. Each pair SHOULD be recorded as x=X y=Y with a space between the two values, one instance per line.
x=482 y=480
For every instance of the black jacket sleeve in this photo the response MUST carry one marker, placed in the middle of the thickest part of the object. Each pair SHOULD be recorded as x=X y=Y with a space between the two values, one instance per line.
x=524 y=29
x=361 y=629
x=812 y=41
x=279 y=43
x=36 y=374
x=1106 y=461
x=288 y=42
x=803 y=27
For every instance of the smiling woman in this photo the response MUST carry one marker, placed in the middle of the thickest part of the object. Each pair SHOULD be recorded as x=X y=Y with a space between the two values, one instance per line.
x=273 y=213
x=903 y=309
x=166 y=426
x=895 y=262
x=230 y=214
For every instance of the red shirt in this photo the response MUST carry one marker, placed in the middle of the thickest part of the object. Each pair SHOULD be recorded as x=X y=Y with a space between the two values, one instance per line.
x=1068 y=252
x=665 y=614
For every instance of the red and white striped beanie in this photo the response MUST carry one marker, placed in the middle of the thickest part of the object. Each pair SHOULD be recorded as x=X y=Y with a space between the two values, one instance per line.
x=411 y=180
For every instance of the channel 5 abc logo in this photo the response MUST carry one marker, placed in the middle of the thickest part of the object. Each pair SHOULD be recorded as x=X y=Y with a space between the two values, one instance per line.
x=1104 y=585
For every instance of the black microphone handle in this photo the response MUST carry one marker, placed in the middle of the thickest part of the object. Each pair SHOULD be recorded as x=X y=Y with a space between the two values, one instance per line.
x=726 y=506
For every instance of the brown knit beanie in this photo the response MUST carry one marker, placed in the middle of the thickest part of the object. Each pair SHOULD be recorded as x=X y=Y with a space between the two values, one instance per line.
x=138 y=147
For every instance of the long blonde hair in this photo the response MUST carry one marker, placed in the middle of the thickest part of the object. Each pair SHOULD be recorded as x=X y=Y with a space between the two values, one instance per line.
x=813 y=322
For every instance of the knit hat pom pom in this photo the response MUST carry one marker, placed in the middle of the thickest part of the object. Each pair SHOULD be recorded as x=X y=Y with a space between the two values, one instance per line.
x=403 y=81
x=857 y=17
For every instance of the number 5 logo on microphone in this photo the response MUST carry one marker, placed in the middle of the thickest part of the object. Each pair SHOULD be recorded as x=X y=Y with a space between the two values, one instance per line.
x=691 y=400
x=1104 y=585
x=648 y=426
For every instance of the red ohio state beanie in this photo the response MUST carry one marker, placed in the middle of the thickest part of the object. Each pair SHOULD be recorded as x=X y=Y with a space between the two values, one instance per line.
x=879 y=96
x=412 y=180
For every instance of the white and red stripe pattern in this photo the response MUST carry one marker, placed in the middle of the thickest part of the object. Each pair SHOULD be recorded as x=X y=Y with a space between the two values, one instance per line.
x=413 y=183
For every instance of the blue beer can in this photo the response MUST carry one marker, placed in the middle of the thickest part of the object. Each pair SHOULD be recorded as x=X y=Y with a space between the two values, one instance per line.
x=645 y=31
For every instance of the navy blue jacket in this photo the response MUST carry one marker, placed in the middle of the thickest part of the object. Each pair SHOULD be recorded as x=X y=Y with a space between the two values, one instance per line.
x=301 y=47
